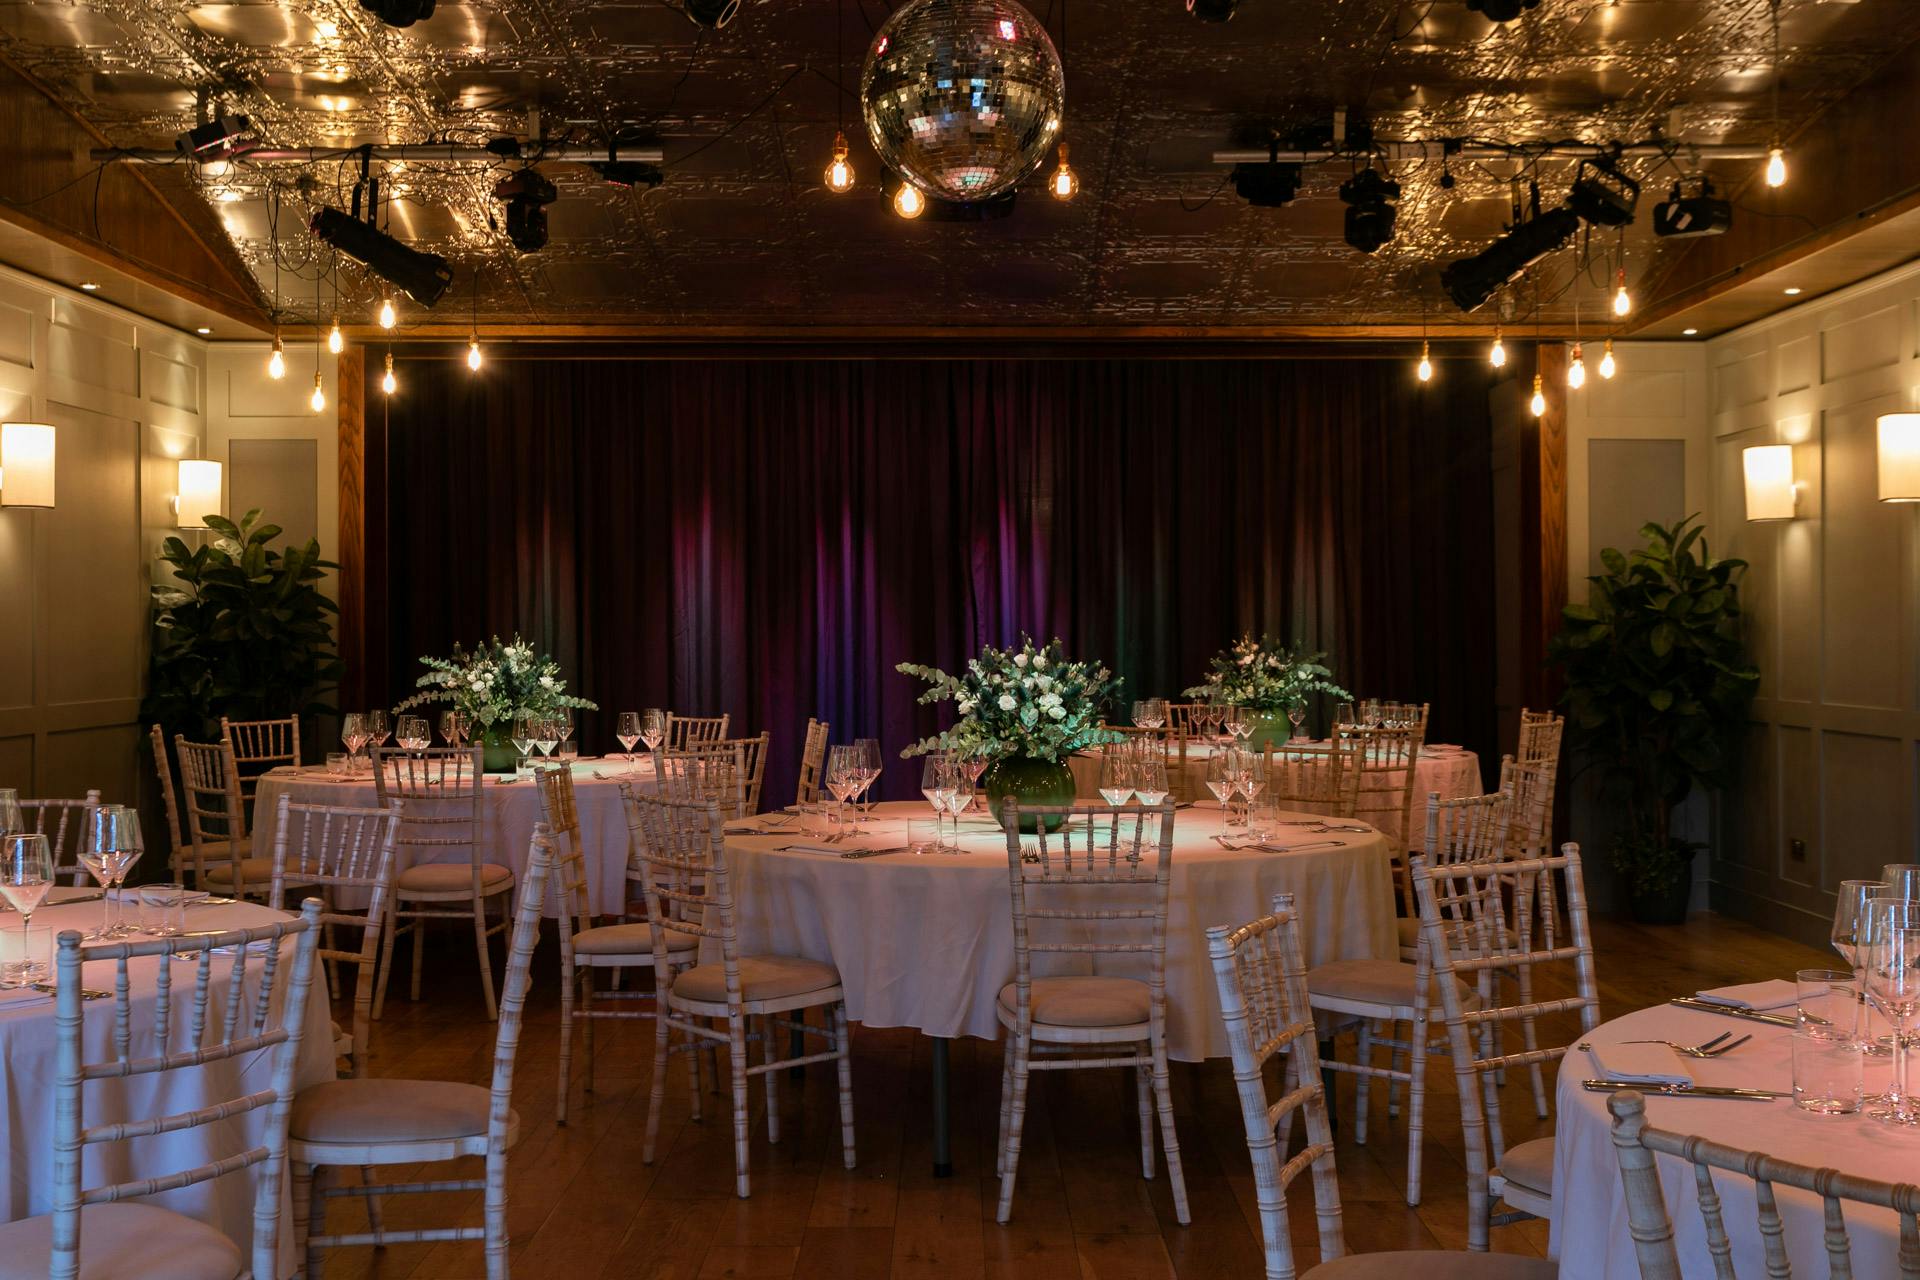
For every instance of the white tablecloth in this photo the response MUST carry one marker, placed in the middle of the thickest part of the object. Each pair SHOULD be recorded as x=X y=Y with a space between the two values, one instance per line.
x=926 y=941
x=509 y=813
x=1589 y=1229
x=29 y=1057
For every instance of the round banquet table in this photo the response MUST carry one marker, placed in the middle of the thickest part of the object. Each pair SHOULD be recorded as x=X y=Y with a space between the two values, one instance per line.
x=511 y=809
x=1589 y=1226
x=926 y=940
x=29 y=1056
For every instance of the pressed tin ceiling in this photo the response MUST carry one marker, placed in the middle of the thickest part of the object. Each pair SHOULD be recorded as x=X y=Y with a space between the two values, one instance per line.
x=743 y=233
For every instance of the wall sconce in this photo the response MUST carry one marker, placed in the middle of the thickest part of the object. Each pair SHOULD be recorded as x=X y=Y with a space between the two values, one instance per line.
x=26 y=464
x=1899 y=457
x=1771 y=492
x=199 y=493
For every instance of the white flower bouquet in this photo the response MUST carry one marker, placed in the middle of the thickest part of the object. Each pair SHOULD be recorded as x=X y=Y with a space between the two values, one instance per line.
x=493 y=682
x=1265 y=675
x=1027 y=702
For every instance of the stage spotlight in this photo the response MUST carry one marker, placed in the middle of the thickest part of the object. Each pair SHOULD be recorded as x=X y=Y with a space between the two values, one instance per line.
x=212 y=140
x=1370 y=213
x=1266 y=186
x=628 y=173
x=527 y=195
x=1213 y=10
x=1702 y=214
x=1603 y=195
x=423 y=276
x=399 y=13
x=1471 y=281
x=1502 y=10
x=712 y=14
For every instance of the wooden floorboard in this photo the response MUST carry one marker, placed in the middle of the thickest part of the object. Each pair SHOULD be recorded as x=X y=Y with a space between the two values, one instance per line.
x=583 y=1205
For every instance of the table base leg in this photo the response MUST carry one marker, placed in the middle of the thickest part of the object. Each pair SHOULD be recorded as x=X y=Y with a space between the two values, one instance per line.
x=942 y=1119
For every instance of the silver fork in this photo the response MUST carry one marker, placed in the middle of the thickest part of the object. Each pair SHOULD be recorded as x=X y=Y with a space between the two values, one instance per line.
x=1705 y=1049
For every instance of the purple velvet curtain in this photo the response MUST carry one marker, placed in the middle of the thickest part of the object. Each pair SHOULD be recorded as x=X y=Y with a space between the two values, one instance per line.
x=769 y=538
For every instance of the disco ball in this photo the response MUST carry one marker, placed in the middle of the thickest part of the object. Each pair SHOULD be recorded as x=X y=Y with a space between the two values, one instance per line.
x=962 y=98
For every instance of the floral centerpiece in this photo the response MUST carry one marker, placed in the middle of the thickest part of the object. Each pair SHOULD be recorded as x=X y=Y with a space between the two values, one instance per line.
x=1024 y=710
x=492 y=683
x=1268 y=679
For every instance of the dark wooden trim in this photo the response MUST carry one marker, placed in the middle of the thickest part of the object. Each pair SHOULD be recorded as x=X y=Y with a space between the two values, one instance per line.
x=563 y=343
x=1543 y=531
x=350 y=393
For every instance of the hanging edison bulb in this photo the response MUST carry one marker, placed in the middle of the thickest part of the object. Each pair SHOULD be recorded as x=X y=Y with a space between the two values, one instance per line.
x=473 y=353
x=388 y=316
x=1065 y=184
x=277 y=362
x=336 y=342
x=840 y=172
x=1622 y=300
x=1539 y=402
x=1497 y=354
x=1424 y=370
x=908 y=202
x=1776 y=167
x=1607 y=366
x=1577 y=369
x=387 y=383
x=319 y=397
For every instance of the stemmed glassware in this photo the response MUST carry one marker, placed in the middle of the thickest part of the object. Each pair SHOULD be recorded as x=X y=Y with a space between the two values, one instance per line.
x=353 y=732
x=1370 y=713
x=1297 y=717
x=1116 y=777
x=1150 y=779
x=959 y=800
x=843 y=777
x=412 y=734
x=378 y=727
x=563 y=725
x=1890 y=957
x=525 y=732
x=26 y=876
x=546 y=735
x=1223 y=781
x=1851 y=900
x=974 y=767
x=627 y=729
x=109 y=846
x=1240 y=723
x=866 y=752
x=653 y=727
x=1150 y=713
x=1902 y=879
x=453 y=728
x=940 y=779
x=1343 y=714
x=1250 y=773
x=10 y=816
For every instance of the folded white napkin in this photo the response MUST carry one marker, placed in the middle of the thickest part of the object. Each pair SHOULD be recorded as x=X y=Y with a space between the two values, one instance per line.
x=1642 y=1063
x=1761 y=997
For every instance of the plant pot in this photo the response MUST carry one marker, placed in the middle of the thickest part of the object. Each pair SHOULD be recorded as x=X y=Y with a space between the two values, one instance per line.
x=1030 y=782
x=1270 y=728
x=1665 y=905
x=500 y=756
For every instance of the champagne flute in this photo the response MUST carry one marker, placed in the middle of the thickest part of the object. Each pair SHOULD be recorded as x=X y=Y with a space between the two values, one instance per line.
x=26 y=877
x=627 y=729
x=411 y=733
x=109 y=846
x=1891 y=956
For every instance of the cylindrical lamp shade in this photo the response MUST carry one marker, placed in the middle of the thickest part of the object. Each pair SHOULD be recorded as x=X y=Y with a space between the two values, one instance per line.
x=1769 y=481
x=199 y=492
x=1900 y=457
x=26 y=464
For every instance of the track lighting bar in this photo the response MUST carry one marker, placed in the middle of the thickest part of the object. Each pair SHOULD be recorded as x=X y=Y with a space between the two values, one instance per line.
x=429 y=153
x=1437 y=149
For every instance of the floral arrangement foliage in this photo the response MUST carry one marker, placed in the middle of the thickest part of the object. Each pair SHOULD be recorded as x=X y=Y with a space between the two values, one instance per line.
x=1265 y=676
x=493 y=682
x=1031 y=701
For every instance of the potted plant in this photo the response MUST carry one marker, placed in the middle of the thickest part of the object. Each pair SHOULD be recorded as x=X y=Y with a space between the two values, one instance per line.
x=1268 y=679
x=1658 y=687
x=492 y=683
x=240 y=630
x=1025 y=710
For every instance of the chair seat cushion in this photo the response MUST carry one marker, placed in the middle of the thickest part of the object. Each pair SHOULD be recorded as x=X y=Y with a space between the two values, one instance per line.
x=257 y=872
x=1529 y=1166
x=1434 y=1264
x=1380 y=982
x=1409 y=930
x=353 y=1111
x=123 y=1239
x=761 y=978
x=452 y=877
x=1082 y=1001
x=627 y=940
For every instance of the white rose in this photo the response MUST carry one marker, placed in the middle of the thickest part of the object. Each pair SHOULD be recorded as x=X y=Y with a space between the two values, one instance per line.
x=1019 y=659
x=1044 y=682
x=1007 y=702
x=966 y=708
x=1057 y=712
x=1039 y=662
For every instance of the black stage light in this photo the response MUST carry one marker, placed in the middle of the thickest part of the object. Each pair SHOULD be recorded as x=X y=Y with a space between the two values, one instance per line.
x=527 y=194
x=627 y=173
x=424 y=277
x=1267 y=185
x=1370 y=211
x=1603 y=195
x=211 y=140
x=712 y=14
x=1502 y=10
x=1471 y=281
x=399 y=13
x=1213 y=10
x=1703 y=214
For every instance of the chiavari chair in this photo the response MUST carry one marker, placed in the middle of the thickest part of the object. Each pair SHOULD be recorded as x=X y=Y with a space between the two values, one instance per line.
x=813 y=761
x=264 y=743
x=692 y=731
x=53 y=819
x=223 y=860
x=1324 y=780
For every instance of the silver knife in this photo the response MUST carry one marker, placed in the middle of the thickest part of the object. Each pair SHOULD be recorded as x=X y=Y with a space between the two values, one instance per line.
x=1683 y=1090
x=1733 y=1011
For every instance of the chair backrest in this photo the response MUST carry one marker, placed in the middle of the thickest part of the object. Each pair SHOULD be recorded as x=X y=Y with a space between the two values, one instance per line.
x=681 y=842
x=53 y=819
x=1635 y=1144
x=210 y=793
x=1387 y=760
x=1477 y=921
x=262 y=742
x=333 y=848
x=1468 y=828
x=256 y=1002
x=1261 y=973
x=813 y=759
x=1180 y=716
x=1529 y=792
x=1540 y=735
x=713 y=770
x=688 y=731
x=1104 y=894
x=442 y=788
x=169 y=798
x=1322 y=779
x=753 y=767
x=572 y=884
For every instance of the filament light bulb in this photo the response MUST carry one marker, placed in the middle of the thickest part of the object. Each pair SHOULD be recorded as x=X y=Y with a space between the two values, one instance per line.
x=1776 y=168
x=1497 y=354
x=473 y=353
x=908 y=202
x=387 y=383
x=1539 y=402
x=840 y=172
x=277 y=362
x=335 y=342
x=1065 y=185
x=1577 y=369
x=1424 y=371
x=388 y=317
x=1607 y=367
x=319 y=397
x=1622 y=300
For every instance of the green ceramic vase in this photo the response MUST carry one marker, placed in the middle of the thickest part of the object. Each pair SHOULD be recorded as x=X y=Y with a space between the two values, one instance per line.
x=497 y=743
x=1270 y=728
x=1030 y=782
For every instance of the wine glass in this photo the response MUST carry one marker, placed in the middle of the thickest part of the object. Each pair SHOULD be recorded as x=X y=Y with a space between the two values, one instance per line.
x=1891 y=961
x=1370 y=713
x=411 y=733
x=546 y=735
x=1143 y=713
x=450 y=728
x=1343 y=714
x=563 y=723
x=26 y=876
x=353 y=732
x=1222 y=781
x=974 y=767
x=959 y=798
x=938 y=781
x=843 y=776
x=653 y=727
x=378 y=727
x=1241 y=724
x=109 y=846
x=1250 y=775
x=1157 y=709
x=1150 y=780
x=1902 y=879
x=626 y=728
x=11 y=820
x=1297 y=717
x=1116 y=778
x=866 y=752
x=1850 y=905
x=526 y=729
